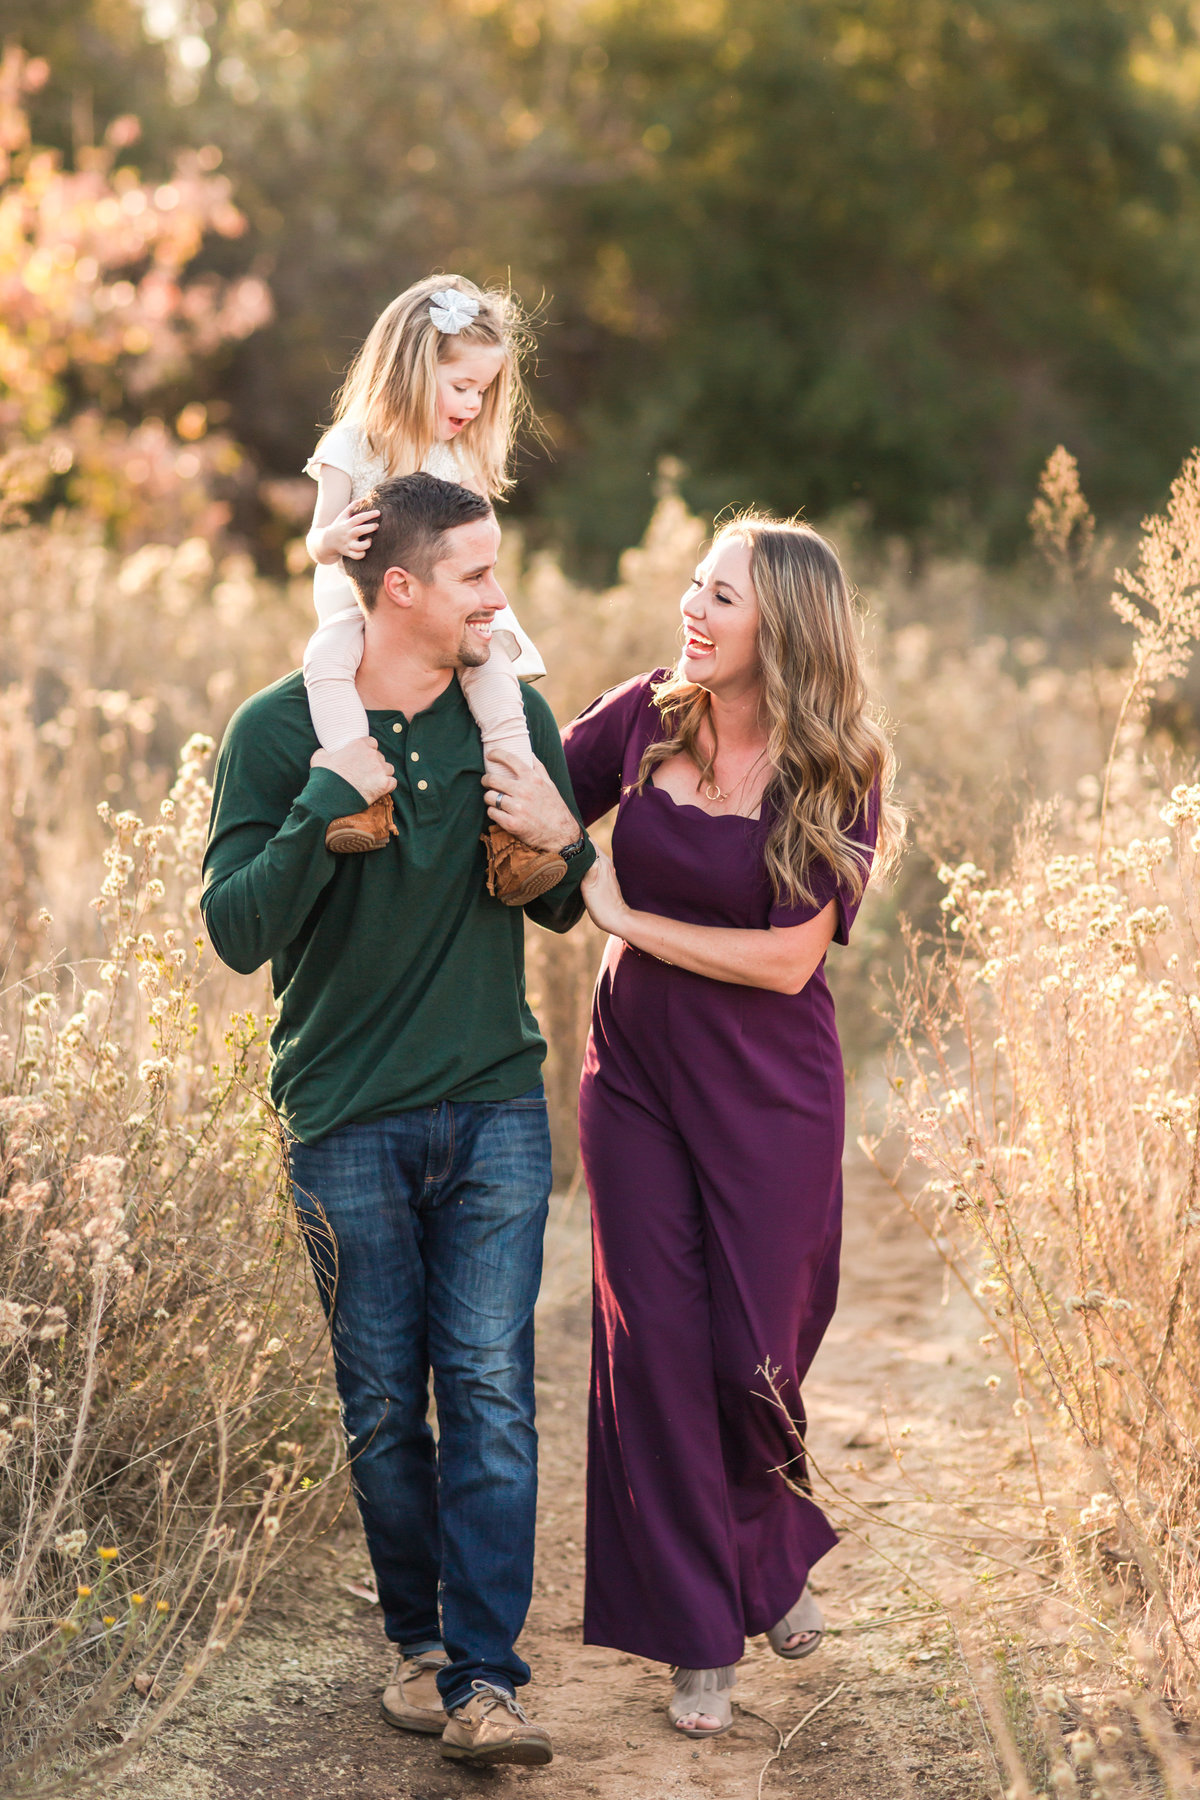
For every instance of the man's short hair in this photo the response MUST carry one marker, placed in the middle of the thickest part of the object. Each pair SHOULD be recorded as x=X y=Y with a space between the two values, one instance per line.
x=416 y=512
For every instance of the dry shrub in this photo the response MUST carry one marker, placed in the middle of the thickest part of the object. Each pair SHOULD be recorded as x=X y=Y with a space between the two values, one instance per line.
x=1049 y=1079
x=159 y=1412
x=108 y=663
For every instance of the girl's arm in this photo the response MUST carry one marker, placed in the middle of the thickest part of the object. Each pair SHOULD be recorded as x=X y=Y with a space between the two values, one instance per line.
x=782 y=958
x=337 y=530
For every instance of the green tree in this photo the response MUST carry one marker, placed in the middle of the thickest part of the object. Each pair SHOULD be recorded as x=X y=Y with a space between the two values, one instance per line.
x=820 y=250
x=898 y=248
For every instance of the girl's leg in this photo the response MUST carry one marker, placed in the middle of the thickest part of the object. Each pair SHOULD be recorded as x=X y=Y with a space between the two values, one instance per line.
x=517 y=873
x=493 y=694
x=331 y=659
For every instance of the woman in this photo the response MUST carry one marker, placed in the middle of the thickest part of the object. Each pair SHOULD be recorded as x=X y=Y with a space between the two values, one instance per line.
x=752 y=791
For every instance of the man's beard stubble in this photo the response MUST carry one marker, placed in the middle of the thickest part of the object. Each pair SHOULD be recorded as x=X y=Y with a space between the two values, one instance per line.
x=471 y=653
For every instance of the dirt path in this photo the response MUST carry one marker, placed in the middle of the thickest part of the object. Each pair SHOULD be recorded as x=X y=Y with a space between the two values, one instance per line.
x=292 y=1712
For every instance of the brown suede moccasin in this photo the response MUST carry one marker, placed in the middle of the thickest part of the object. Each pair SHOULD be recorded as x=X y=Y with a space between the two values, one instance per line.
x=362 y=831
x=517 y=874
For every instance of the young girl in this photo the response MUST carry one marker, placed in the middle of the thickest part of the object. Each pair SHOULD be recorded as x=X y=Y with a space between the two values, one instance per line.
x=436 y=386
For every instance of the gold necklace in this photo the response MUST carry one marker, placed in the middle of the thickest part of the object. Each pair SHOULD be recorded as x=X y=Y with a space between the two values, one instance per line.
x=714 y=792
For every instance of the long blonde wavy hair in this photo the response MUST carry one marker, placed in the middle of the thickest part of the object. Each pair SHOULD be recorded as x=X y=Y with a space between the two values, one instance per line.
x=390 y=389
x=826 y=749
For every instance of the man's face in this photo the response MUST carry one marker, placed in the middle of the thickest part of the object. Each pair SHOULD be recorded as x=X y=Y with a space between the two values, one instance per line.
x=454 y=608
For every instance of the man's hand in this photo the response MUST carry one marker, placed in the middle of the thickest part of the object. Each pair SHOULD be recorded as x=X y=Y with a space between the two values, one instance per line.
x=527 y=803
x=363 y=765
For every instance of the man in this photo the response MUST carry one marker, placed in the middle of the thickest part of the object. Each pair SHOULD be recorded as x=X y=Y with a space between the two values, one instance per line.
x=405 y=1067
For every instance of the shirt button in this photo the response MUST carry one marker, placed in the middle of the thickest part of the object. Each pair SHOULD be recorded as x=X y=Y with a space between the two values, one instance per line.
x=422 y=785
x=397 y=728
x=414 y=756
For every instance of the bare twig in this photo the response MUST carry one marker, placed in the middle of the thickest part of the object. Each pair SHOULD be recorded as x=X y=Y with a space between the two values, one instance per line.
x=786 y=1739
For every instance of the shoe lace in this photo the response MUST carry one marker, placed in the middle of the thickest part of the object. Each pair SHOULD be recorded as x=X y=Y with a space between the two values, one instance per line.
x=424 y=1659
x=490 y=1696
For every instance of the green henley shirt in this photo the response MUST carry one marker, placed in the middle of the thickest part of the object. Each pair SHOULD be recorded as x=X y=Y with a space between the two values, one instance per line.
x=400 y=981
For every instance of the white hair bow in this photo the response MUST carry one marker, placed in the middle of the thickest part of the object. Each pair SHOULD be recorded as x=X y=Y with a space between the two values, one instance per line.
x=450 y=310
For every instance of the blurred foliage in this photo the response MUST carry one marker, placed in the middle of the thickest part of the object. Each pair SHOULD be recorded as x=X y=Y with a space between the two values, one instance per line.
x=101 y=313
x=819 y=251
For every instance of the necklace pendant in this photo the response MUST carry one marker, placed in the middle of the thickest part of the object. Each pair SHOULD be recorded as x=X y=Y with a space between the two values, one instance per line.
x=713 y=792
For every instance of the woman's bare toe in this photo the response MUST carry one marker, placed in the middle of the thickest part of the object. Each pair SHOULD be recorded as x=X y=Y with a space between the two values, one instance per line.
x=800 y=1630
x=693 y=1687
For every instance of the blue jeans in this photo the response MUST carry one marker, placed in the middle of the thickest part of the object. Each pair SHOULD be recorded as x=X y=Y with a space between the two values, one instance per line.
x=425 y=1235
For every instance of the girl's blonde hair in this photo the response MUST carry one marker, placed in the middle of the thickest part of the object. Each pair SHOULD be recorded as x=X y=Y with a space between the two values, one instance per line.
x=827 y=751
x=390 y=389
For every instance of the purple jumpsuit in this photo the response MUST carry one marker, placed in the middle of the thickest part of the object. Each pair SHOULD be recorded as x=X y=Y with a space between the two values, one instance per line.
x=711 y=1123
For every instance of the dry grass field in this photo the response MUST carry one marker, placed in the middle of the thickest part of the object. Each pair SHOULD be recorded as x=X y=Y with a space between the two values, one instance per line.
x=1016 y=1476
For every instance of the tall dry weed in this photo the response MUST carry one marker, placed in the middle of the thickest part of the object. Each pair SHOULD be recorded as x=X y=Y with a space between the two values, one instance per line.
x=1048 y=1079
x=160 y=1412
x=107 y=664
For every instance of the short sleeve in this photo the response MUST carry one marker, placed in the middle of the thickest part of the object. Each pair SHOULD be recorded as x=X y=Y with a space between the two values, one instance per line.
x=826 y=886
x=597 y=743
x=338 y=449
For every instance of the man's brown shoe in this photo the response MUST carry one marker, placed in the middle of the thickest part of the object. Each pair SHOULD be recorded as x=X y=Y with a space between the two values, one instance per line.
x=411 y=1700
x=492 y=1728
x=516 y=873
x=360 y=831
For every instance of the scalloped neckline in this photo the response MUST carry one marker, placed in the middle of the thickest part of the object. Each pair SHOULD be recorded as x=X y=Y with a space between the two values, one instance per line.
x=690 y=806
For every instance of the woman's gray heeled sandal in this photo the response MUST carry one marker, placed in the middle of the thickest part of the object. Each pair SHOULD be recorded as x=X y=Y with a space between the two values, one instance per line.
x=705 y=1692
x=805 y=1616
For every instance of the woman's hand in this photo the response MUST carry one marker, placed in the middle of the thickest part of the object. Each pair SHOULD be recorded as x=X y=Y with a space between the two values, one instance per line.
x=527 y=803
x=603 y=897
x=349 y=533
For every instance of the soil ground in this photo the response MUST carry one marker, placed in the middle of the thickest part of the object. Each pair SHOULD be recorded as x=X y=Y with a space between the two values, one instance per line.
x=291 y=1712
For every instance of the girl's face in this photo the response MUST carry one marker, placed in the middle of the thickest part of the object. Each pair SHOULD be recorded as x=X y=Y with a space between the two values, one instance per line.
x=720 y=623
x=462 y=381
